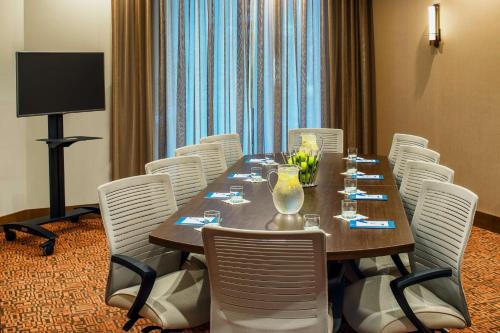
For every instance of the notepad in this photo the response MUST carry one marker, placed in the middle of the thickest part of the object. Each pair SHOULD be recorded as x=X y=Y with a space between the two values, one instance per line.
x=359 y=173
x=363 y=160
x=217 y=195
x=369 y=177
x=366 y=224
x=362 y=196
x=252 y=180
x=239 y=176
x=243 y=201
x=357 y=191
x=356 y=217
x=193 y=221
x=256 y=160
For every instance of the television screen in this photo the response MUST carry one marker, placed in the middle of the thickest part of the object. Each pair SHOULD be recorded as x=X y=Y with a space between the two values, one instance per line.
x=53 y=82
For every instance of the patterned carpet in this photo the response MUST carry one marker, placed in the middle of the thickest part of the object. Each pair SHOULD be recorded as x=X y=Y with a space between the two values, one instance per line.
x=64 y=292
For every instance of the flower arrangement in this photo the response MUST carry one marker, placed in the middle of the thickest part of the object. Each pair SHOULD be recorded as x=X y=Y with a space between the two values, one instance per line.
x=306 y=158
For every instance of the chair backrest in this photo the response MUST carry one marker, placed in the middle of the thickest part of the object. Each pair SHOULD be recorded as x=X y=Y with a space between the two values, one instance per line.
x=413 y=177
x=212 y=158
x=266 y=280
x=441 y=227
x=333 y=138
x=404 y=139
x=231 y=146
x=186 y=174
x=131 y=208
x=413 y=153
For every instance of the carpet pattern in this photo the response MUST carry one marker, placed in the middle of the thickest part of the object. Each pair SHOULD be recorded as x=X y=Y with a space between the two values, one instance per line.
x=64 y=292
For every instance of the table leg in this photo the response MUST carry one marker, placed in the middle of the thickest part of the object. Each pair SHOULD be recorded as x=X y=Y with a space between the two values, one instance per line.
x=336 y=272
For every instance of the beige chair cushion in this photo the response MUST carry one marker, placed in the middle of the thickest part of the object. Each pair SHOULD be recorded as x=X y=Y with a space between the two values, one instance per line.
x=382 y=265
x=178 y=300
x=370 y=307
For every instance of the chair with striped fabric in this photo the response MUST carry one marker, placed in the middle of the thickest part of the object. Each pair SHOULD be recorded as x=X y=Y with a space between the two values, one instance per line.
x=186 y=174
x=333 y=138
x=267 y=281
x=415 y=174
x=432 y=296
x=212 y=158
x=231 y=146
x=407 y=140
x=413 y=153
x=144 y=278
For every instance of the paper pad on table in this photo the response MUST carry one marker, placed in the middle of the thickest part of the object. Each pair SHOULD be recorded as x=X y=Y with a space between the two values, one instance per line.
x=251 y=180
x=239 y=175
x=361 y=196
x=217 y=195
x=365 y=224
x=357 y=217
x=369 y=177
x=357 y=191
x=243 y=201
x=359 y=173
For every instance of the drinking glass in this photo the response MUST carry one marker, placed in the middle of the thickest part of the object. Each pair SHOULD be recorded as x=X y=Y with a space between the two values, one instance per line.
x=349 y=208
x=212 y=217
x=236 y=193
x=350 y=185
x=352 y=153
x=256 y=173
x=311 y=222
x=352 y=167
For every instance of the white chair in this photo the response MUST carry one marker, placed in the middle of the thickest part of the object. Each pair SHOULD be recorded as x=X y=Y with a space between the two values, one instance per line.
x=416 y=172
x=267 y=281
x=333 y=138
x=431 y=297
x=212 y=158
x=413 y=153
x=404 y=139
x=144 y=278
x=186 y=174
x=231 y=146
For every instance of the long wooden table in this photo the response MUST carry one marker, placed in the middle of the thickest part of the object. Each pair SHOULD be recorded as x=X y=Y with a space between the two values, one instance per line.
x=343 y=243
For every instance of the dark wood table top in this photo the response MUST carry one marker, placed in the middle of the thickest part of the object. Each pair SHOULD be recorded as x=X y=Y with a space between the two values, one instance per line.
x=343 y=243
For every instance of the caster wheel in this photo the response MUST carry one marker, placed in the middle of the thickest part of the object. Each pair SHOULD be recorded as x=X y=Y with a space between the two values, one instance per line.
x=75 y=219
x=48 y=248
x=10 y=235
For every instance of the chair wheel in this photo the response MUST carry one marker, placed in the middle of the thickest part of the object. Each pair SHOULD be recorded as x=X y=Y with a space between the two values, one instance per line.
x=48 y=247
x=10 y=235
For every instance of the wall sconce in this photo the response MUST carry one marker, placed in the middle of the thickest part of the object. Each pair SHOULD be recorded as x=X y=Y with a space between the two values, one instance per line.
x=434 y=28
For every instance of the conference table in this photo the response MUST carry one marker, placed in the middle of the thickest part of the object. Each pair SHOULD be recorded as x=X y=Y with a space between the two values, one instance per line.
x=342 y=243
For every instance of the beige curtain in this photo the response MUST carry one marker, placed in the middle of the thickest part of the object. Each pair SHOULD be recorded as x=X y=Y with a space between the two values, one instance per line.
x=348 y=62
x=132 y=85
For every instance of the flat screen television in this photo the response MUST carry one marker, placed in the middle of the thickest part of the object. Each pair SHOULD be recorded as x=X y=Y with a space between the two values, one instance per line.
x=59 y=82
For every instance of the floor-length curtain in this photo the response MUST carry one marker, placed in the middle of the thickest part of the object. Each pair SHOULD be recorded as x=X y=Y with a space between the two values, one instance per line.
x=251 y=67
x=132 y=123
x=349 y=95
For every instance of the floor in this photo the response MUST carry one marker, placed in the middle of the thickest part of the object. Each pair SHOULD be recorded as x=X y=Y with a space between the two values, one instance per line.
x=64 y=292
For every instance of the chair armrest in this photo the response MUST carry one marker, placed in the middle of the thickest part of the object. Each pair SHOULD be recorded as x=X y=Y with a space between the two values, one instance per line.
x=398 y=286
x=399 y=265
x=148 y=277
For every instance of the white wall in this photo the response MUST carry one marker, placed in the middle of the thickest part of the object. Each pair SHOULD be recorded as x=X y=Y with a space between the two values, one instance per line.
x=62 y=25
x=12 y=130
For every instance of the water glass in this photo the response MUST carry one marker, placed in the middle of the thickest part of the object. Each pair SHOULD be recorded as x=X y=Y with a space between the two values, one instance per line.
x=352 y=153
x=212 y=217
x=350 y=185
x=256 y=173
x=352 y=167
x=236 y=193
x=311 y=222
x=349 y=208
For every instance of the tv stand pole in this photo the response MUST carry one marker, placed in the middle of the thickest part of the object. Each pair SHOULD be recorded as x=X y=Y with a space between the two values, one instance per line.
x=56 y=143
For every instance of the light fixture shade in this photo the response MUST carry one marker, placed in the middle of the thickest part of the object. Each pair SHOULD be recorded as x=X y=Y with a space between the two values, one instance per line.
x=434 y=28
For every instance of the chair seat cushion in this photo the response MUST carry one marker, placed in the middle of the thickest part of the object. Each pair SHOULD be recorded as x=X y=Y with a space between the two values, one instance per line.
x=178 y=300
x=370 y=307
x=382 y=265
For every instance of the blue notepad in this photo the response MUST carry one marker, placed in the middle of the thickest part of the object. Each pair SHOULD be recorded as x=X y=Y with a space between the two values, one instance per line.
x=369 y=177
x=362 y=196
x=238 y=176
x=363 y=160
x=217 y=195
x=189 y=221
x=366 y=224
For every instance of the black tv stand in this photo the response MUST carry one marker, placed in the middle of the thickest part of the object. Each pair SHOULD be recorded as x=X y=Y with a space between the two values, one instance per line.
x=56 y=143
